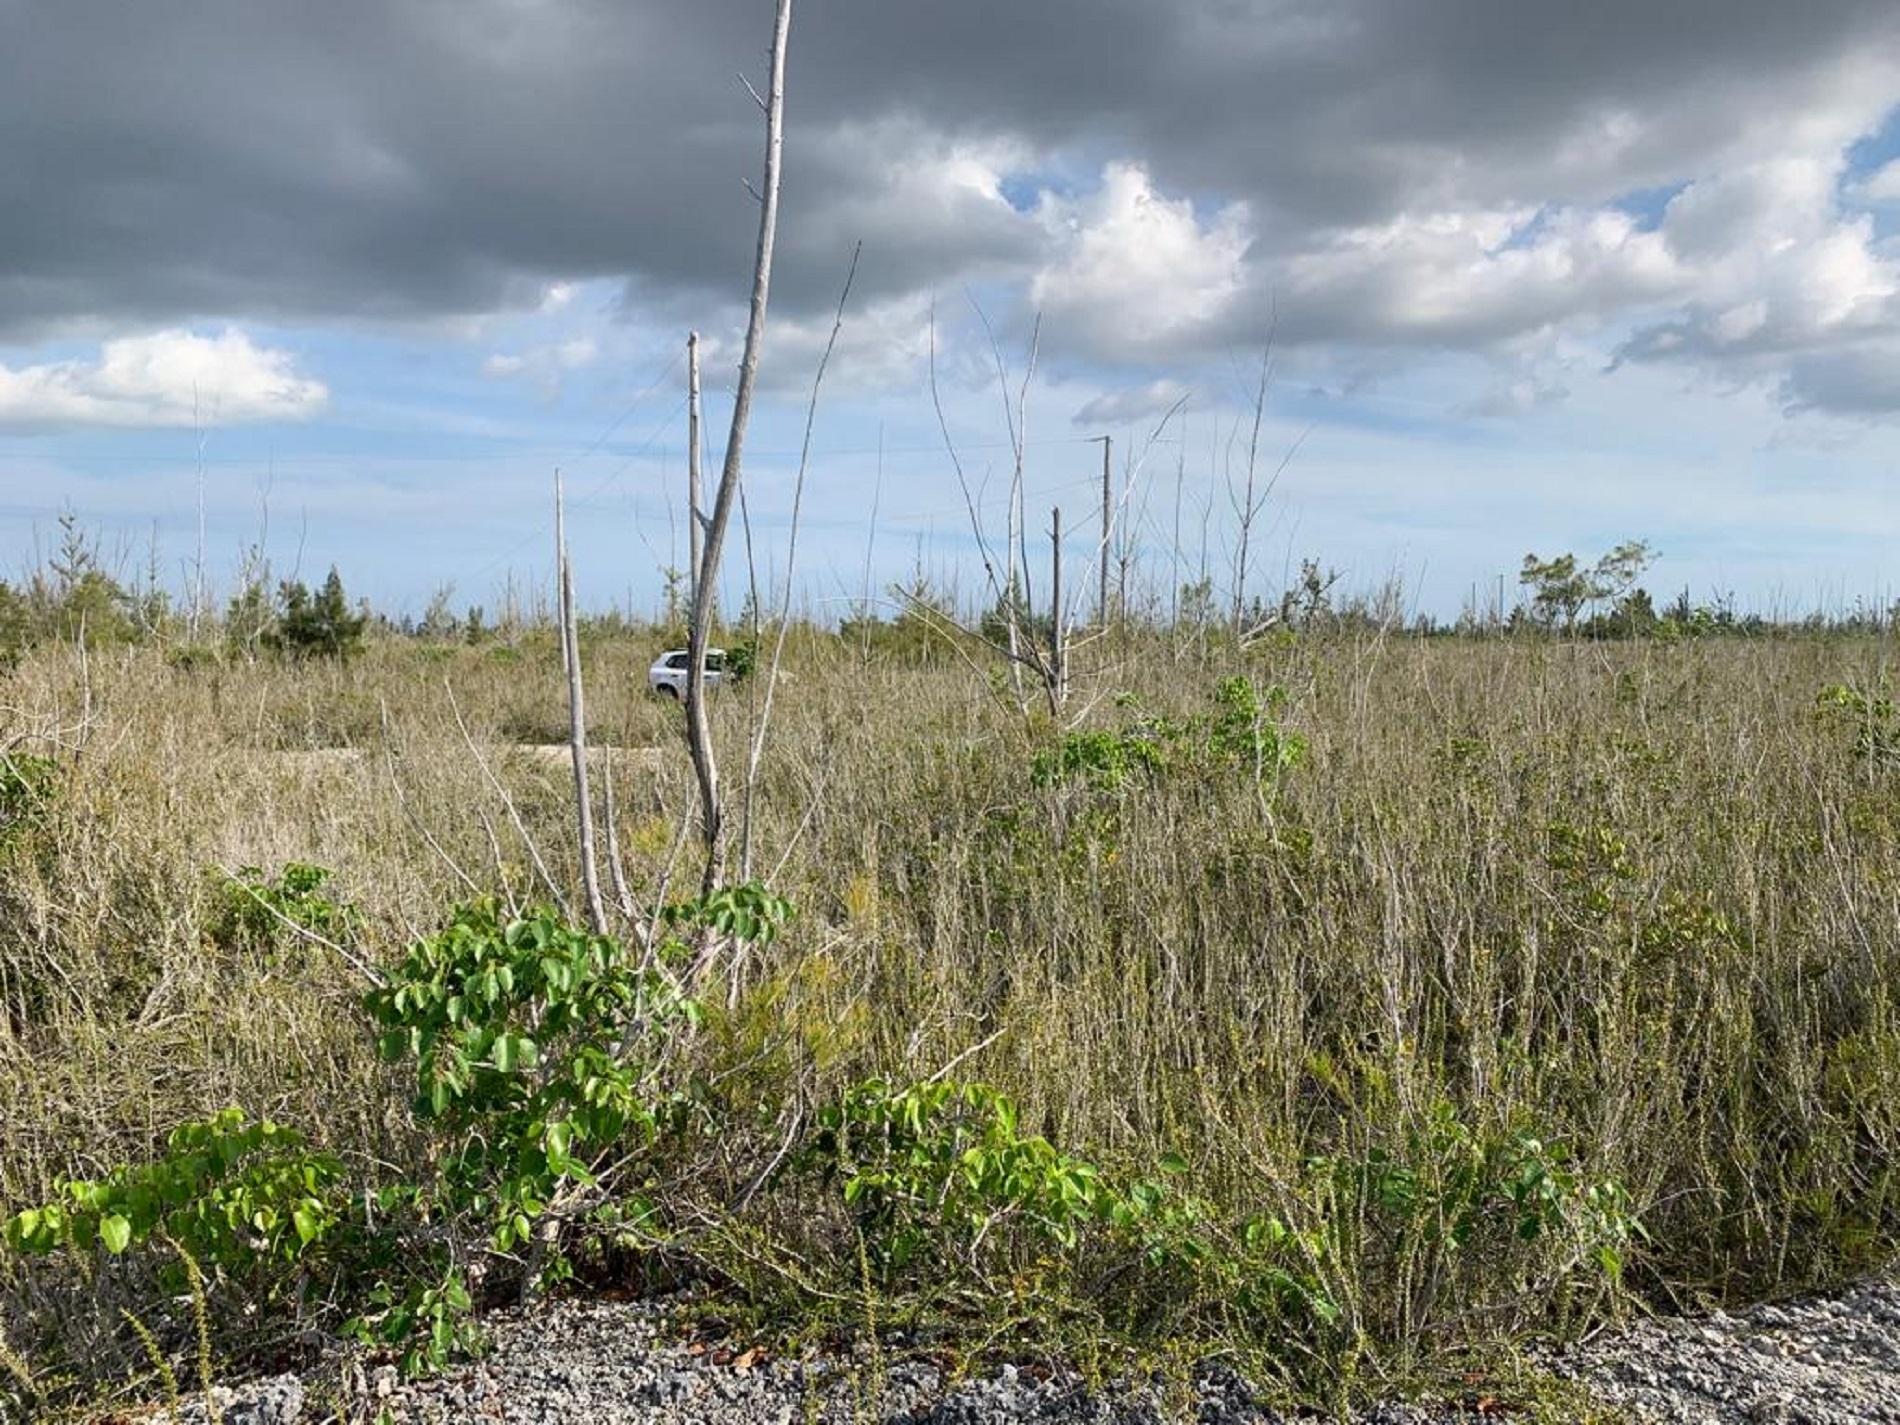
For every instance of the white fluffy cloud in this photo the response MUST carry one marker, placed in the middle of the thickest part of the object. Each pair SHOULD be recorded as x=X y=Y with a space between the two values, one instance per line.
x=1132 y=272
x=1467 y=278
x=166 y=378
x=1881 y=186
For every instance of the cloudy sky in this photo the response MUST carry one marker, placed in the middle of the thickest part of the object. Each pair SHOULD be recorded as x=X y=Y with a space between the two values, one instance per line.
x=1537 y=276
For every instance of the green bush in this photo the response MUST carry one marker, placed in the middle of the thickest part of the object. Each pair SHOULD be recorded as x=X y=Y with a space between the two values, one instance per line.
x=26 y=791
x=246 y=1197
x=1871 y=717
x=256 y=912
x=541 y=1057
x=936 y=1170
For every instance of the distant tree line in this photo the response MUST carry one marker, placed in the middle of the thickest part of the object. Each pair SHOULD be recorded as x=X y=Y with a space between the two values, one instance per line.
x=75 y=596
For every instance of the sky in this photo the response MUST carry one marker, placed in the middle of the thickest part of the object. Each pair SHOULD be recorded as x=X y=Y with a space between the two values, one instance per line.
x=346 y=284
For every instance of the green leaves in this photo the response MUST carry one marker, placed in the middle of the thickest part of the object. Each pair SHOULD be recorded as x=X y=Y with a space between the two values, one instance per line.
x=255 y=912
x=513 y=1052
x=115 y=1232
x=747 y=912
x=929 y=1168
x=236 y=1193
x=1240 y=732
x=540 y=1053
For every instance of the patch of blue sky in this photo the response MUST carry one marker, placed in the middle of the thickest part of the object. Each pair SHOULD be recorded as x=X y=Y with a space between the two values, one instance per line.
x=1647 y=205
x=1875 y=149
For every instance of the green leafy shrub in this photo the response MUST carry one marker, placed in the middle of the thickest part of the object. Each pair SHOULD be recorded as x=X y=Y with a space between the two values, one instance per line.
x=549 y=1071
x=1241 y=732
x=241 y=1195
x=1870 y=716
x=742 y=661
x=747 y=912
x=939 y=1168
x=541 y=1055
x=1244 y=729
x=1105 y=760
x=255 y=911
x=26 y=790
x=1447 y=1201
x=941 y=1185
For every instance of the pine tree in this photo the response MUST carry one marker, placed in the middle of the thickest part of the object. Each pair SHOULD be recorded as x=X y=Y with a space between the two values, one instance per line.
x=319 y=626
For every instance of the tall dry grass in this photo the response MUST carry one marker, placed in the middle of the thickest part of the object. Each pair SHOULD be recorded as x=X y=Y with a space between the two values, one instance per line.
x=1639 y=901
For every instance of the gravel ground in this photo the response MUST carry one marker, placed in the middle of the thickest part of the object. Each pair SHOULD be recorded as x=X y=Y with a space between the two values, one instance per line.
x=1821 y=1361
x=1831 y=1360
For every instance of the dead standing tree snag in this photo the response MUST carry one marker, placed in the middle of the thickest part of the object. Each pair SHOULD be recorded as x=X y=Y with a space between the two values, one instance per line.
x=576 y=715
x=698 y=725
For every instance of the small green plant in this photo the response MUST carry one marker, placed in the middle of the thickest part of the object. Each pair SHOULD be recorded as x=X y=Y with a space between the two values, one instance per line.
x=1244 y=729
x=742 y=661
x=26 y=790
x=1446 y=1192
x=944 y=1167
x=1870 y=716
x=256 y=911
x=237 y=1193
x=541 y=1057
x=746 y=912
x=1105 y=760
x=429 y=1322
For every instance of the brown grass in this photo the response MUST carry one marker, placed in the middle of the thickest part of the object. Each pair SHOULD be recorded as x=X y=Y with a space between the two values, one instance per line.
x=1638 y=899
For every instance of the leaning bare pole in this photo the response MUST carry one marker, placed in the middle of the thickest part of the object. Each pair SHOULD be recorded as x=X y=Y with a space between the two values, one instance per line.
x=1108 y=523
x=695 y=497
x=698 y=727
x=1058 y=652
x=577 y=717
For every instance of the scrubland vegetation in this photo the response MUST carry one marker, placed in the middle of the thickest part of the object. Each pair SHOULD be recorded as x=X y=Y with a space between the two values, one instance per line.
x=1353 y=1000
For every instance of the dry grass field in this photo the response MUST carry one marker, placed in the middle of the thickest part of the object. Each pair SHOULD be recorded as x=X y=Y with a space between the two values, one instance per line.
x=1412 y=995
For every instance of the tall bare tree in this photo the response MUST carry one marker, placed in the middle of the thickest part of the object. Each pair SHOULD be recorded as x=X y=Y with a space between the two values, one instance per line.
x=698 y=725
x=695 y=497
x=576 y=716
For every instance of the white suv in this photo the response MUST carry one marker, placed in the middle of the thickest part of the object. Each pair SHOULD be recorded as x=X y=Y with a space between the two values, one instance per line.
x=667 y=676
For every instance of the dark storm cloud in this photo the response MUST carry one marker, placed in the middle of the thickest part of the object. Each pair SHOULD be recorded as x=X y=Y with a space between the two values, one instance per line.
x=417 y=157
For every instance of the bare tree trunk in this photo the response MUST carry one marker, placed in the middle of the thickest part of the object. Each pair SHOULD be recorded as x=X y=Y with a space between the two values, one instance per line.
x=1108 y=523
x=698 y=727
x=1174 y=566
x=1058 y=660
x=695 y=526
x=1250 y=507
x=1125 y=539
x=577 y=718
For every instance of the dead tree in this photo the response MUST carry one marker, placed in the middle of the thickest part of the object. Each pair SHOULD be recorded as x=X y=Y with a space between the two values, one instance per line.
x=695 y=517
x=698 y=725
x=1108 y=522
x=577 y=717
x=1058 y=644
x=1250 y=506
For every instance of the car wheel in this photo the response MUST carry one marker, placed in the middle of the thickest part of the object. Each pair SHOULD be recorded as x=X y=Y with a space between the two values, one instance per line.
x=667 y=690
